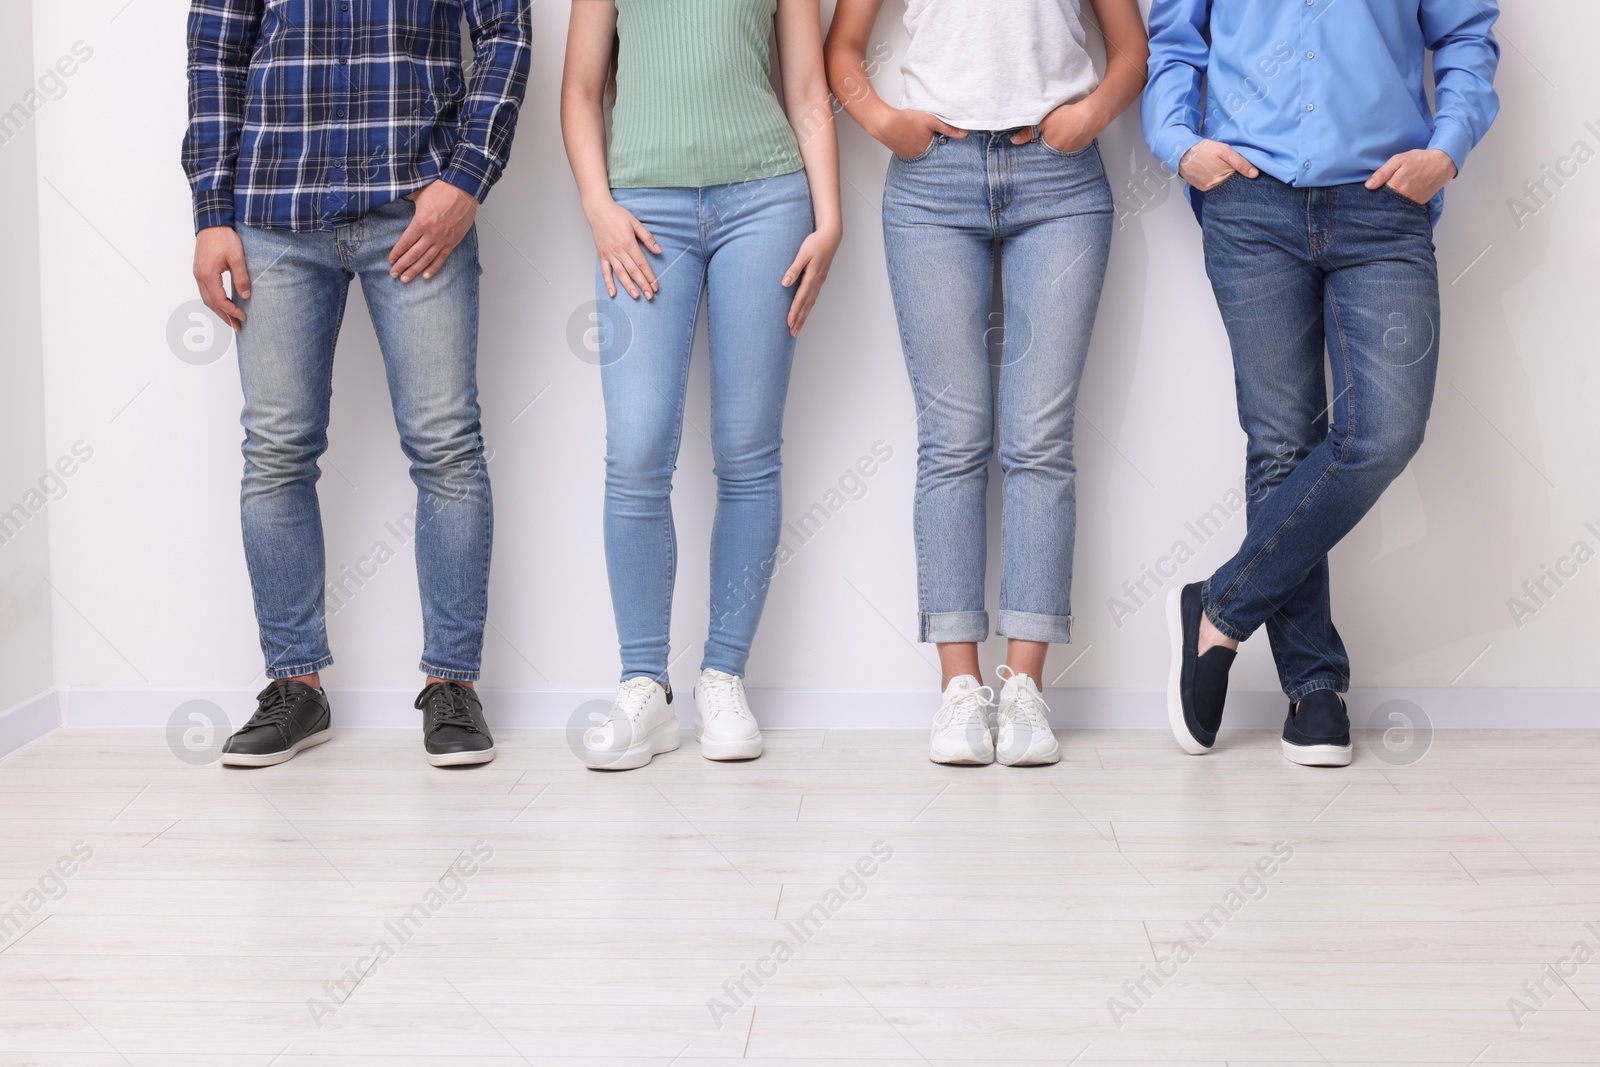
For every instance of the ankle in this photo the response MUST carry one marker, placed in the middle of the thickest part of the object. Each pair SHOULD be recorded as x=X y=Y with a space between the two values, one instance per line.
x=314 y=680
x=437 y=681
x=1210 y=637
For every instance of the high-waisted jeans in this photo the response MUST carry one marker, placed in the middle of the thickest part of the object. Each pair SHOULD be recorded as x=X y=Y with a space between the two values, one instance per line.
x=731 y=244
x=954 y=217
x=1343 y=277
x=428 y=331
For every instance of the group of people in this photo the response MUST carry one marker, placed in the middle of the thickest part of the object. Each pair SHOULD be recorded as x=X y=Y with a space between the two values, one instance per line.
x=331 y=139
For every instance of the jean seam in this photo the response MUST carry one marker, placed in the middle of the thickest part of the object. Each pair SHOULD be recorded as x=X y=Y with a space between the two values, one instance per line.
x=1305 y=689
x=320 y=664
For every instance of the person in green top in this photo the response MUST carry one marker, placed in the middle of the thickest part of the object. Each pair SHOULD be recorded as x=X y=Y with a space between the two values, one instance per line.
x=710 y=187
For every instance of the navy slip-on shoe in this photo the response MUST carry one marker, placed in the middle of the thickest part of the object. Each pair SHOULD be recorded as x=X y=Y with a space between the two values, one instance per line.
x=1317 y=731
x=1197 y=687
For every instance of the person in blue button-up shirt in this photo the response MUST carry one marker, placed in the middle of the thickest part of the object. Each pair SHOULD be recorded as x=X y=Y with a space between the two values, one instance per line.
x=1316 y=167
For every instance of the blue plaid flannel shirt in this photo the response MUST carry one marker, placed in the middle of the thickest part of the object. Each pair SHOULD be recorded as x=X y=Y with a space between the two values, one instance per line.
x=305 y=115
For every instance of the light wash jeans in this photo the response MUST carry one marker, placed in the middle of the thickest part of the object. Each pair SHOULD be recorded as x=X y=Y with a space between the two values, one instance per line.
x=1341 y=277
x=732 y=244
x=428 y=331
x=955 y=217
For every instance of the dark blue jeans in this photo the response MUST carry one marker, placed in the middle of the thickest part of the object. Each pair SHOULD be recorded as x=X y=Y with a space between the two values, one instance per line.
x=1349 y=272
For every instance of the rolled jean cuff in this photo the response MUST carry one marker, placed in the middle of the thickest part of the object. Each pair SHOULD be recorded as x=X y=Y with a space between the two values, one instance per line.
x=1226 y=628
x=279 y=673
x=953 y=627
x=449 y=676
x=1340 y=686
x=1026 y=626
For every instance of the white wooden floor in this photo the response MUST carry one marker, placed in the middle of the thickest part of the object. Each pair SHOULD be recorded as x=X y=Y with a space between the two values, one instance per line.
x=218 y=902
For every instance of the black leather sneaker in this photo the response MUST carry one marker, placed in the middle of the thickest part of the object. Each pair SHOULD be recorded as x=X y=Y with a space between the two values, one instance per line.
x=289 y=716
x=453 y=730
x=1317 y=731
x=1197 y=687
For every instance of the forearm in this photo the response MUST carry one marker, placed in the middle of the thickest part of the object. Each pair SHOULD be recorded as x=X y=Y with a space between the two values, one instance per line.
x=1127 y=60
x=583 y=132
x=502 y=48
x=222 y=35
x=812 y=118
x=845 y=61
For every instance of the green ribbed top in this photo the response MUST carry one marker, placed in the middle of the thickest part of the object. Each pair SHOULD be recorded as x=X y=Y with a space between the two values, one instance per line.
x=695 y=105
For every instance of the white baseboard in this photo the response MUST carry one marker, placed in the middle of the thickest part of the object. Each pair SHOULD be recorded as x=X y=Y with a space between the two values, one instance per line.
x=28 y=721
x=790 y=709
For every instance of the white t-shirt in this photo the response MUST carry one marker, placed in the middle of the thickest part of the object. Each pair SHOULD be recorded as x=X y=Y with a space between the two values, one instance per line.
x=995 y=64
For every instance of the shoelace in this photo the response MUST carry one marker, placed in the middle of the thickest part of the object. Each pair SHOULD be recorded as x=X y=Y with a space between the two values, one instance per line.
x=720 y=695
x=274 y=704
x=446 y=705
x=1027 y=706
x=970 y=707
x=632 y=699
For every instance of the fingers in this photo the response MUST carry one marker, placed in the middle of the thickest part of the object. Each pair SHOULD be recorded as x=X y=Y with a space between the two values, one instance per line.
x=804 y=301
x=214 y=298
x=240 y=272
x=1022 y=137
x=796 y=269
x=412 y=235
x=421 y=252
x=437 y=263
x=1239 y=163
x=624 y=269
x=941 y=126
x=611 y=284
x=640 y=268
x=645 y=237
x=1383 y=174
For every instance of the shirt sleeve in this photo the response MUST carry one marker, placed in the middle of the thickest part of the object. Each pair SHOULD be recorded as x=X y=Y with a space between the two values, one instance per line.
x=222 y=34
x=502 y=46
x=1465 y=57
x=1179 y=49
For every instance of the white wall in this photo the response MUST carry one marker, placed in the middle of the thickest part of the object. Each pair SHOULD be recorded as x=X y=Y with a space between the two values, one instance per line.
x=146 y=544
x=25 y=664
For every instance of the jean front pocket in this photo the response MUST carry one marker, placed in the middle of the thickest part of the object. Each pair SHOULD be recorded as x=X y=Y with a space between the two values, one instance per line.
x=938 y=139
x=1402 y=197
x=1079 y=154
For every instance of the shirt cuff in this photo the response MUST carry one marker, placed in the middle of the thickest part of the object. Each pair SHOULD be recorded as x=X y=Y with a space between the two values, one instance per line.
x=471 y=171
x=213 y=207
x=1175 y=142
x=1453 y=140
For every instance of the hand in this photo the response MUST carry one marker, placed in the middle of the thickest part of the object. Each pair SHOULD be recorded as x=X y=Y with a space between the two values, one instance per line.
x=909 y=133
x=1069 y=128
x=617 y=236
x=444 y=215
x=810 y=269
x=1416 y=175
x=217 y=250
x=1210 y=163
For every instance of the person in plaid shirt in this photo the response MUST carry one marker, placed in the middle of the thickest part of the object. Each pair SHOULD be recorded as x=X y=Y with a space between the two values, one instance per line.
x=330 y=139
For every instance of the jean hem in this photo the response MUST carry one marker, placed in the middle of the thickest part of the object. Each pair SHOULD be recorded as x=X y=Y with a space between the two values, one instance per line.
x=1226 y=628
x=1300 y=692
x=447 y=675
x=953 y=627
x=278 y=674
x=1029 y=626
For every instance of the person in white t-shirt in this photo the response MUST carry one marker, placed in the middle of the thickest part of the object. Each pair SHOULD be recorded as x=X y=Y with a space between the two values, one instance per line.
x=995 y=171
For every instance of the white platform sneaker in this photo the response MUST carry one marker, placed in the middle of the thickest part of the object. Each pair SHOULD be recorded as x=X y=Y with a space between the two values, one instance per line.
x=722 y=718
x=1023 y=737
x=961 y=726
x=640 y=725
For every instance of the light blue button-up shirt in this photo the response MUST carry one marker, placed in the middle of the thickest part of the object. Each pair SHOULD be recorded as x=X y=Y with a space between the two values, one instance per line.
x=1320 y=92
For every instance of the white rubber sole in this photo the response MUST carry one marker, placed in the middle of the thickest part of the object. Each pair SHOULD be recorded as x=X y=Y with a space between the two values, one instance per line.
x=664 y=738
x=272 y=759
x=1042 y=760
x=1180 y=729
x=749 y=748
x=1318 y=755
x=460 y=759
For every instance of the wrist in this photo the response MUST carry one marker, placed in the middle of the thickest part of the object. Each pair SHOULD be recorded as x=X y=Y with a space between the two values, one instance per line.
x=596 y=202
x=873 y=116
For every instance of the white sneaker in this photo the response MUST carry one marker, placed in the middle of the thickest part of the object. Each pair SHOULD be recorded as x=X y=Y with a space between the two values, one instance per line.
x=961 y=727
x=1023 y=737
x=641 y=724
x=722 y=719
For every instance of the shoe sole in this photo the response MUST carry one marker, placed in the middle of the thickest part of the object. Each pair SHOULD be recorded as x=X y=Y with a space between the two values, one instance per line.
x=665 y=738
x=730 y=750
x=460 y=759
x=1180 y=728
x=1317 y=755
x=272 y=759
x=1031 y=761
x=961 y=761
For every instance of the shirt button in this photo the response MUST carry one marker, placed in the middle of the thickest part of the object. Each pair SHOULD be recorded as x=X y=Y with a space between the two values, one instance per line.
x=1311 y=107
x=1311 y=55
x=341 y=112
x=1308 y=164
